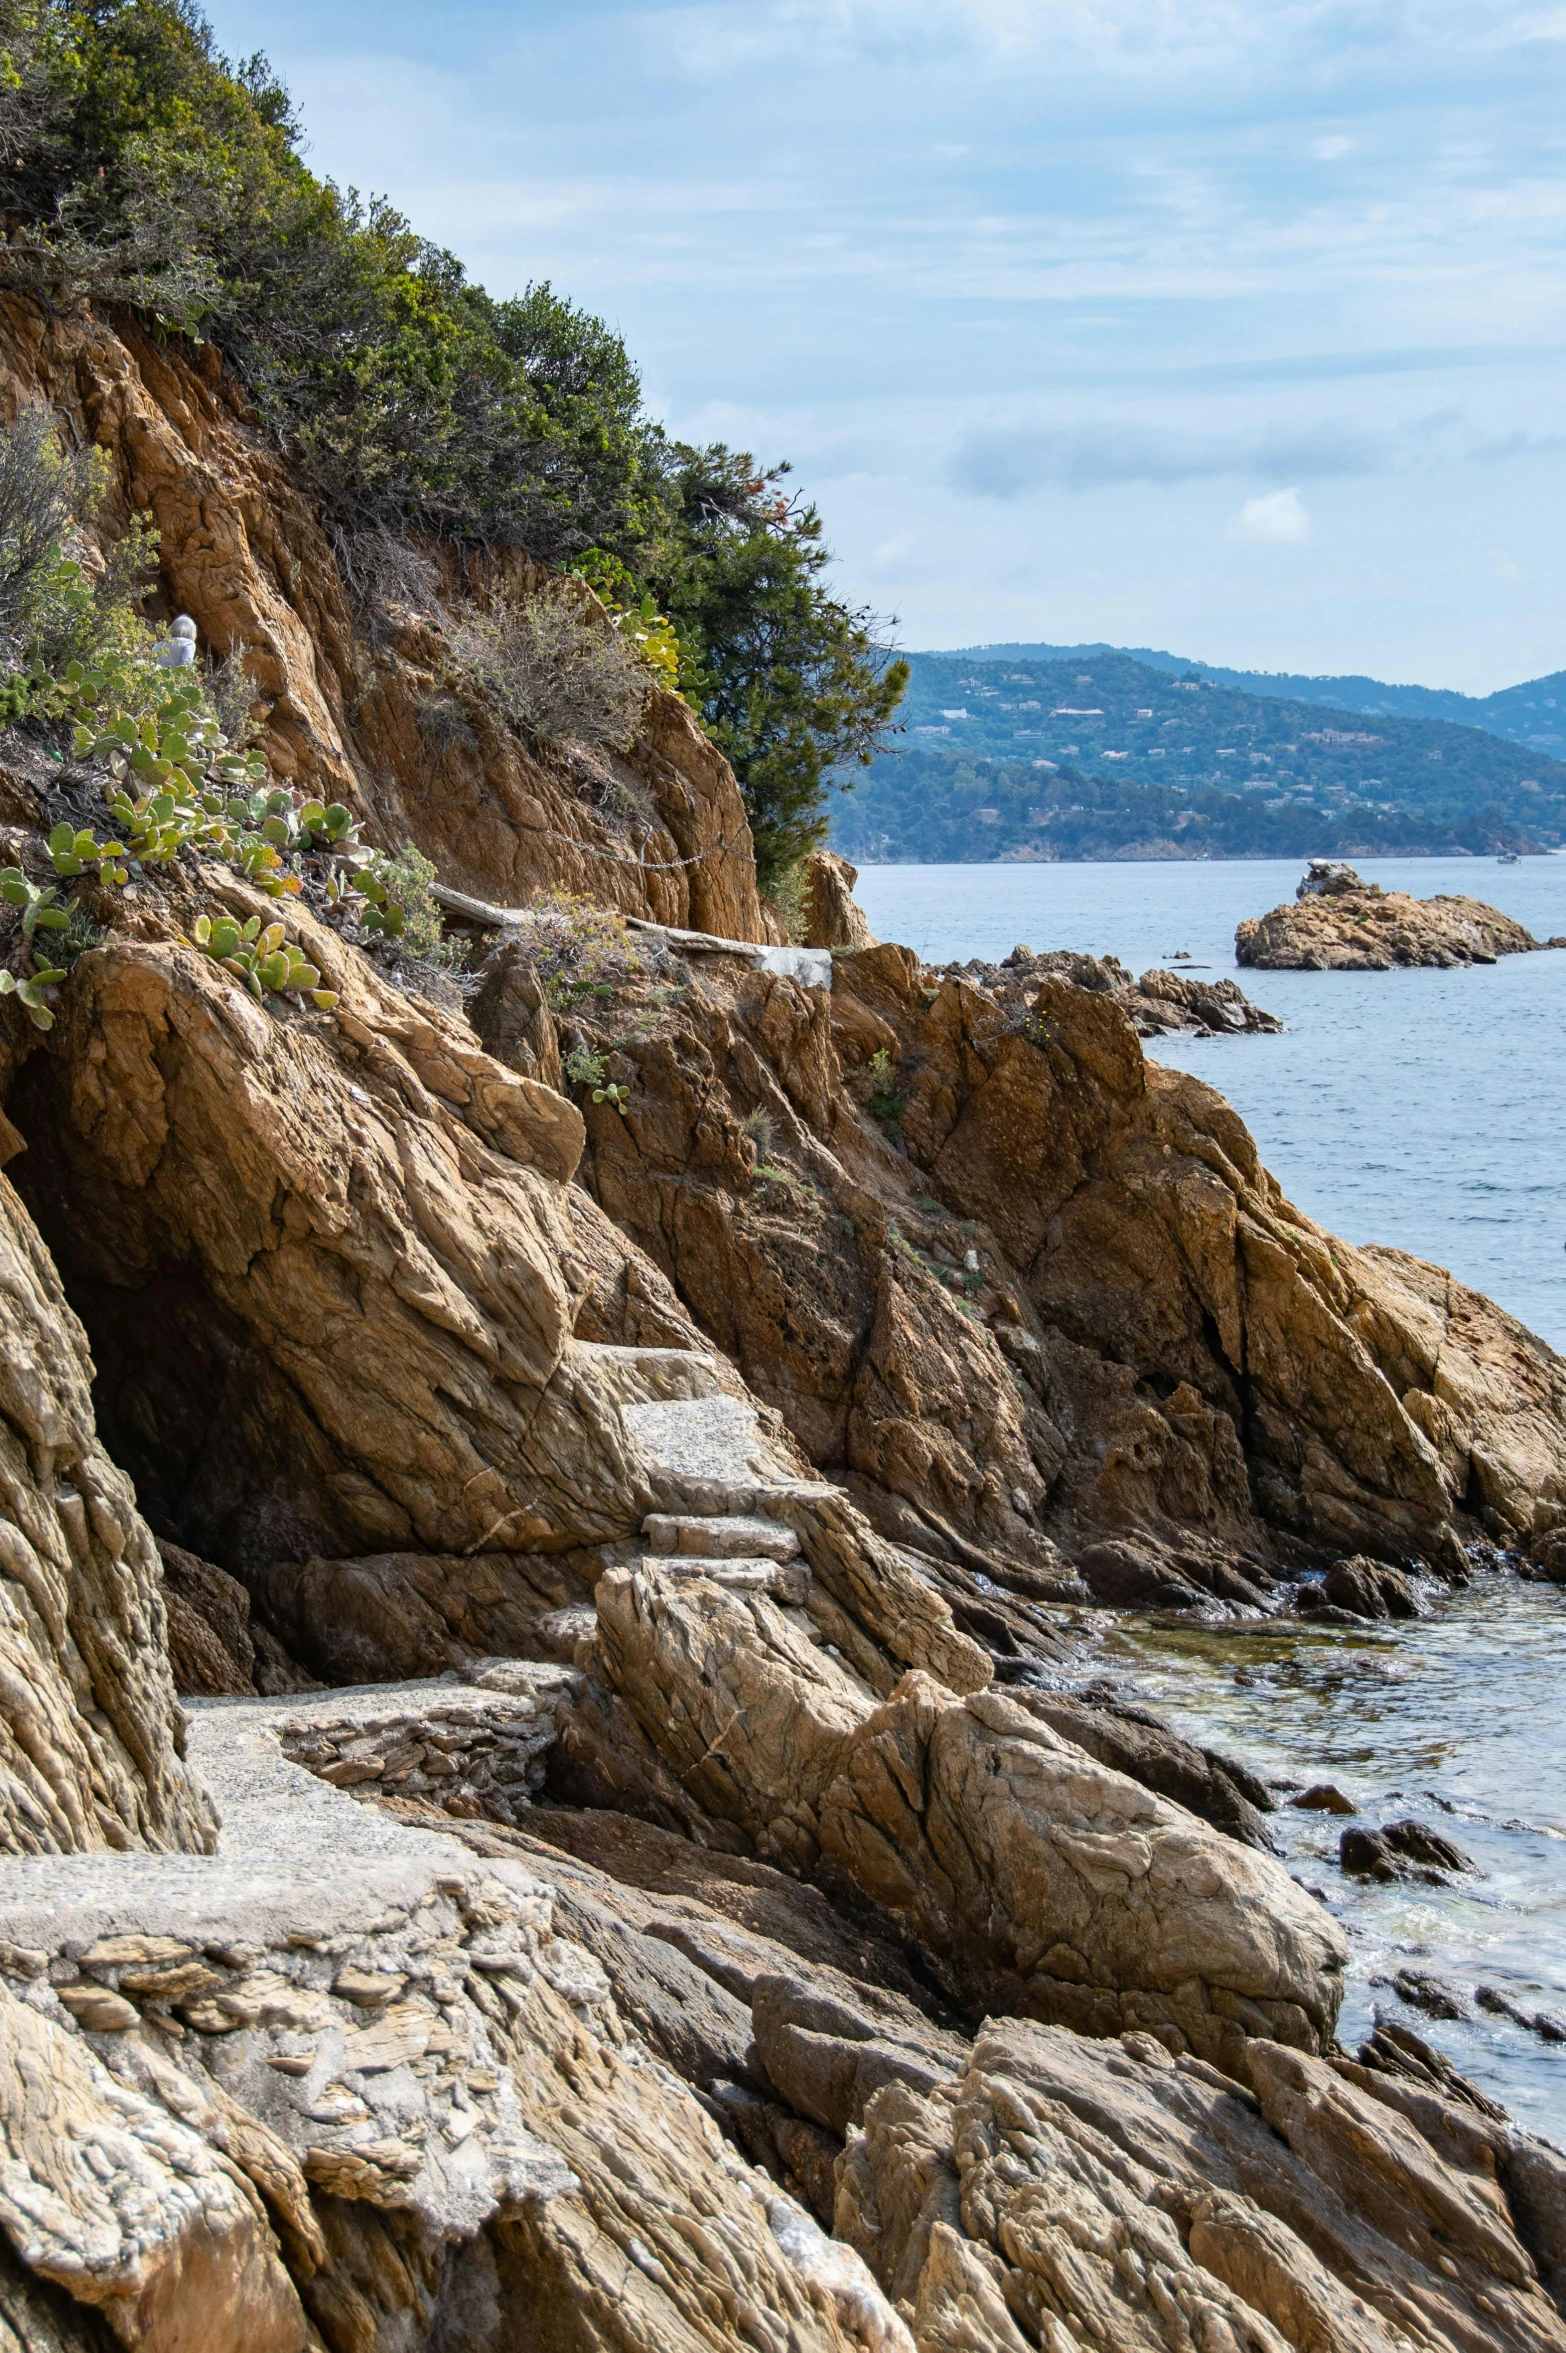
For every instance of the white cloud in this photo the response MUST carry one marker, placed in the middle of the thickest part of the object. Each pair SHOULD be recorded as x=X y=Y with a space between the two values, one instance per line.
x=1328 y=150
x=1278 y=519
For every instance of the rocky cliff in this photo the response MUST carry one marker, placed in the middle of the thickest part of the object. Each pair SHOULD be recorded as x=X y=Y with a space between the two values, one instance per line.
x=622 y=1448
x=347 y=655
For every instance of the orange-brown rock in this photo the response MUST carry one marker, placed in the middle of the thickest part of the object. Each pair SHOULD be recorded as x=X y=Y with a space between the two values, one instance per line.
x=352 y=1235
x=1051 y=1883
x=832 y=919
x=1340 y=924
x=1034 y=1295
x=352 y=691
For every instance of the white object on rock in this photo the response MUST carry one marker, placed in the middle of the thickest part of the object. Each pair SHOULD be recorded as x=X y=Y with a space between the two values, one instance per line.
x=178 y=650
x=811 y=967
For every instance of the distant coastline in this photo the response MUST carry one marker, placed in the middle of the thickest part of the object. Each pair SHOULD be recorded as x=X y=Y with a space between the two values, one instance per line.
x=1007 y=760
x=1172 y=854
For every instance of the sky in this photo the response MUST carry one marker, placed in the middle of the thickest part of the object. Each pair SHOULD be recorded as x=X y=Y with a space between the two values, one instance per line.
x=1231 y=327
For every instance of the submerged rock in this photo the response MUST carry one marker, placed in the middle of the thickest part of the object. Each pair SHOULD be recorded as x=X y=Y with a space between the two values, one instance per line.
x=1435 y=1995
x=1324 y=1797
x=1401 y=1850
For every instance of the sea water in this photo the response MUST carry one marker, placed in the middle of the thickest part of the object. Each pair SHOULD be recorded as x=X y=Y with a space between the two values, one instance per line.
x=1428 y=1110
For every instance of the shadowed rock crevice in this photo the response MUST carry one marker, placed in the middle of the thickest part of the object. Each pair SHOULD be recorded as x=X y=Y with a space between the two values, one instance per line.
x=194 y=1411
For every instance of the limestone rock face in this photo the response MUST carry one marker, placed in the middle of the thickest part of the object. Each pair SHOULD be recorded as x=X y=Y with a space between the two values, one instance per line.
x=348 y=676
x=88 y=1722
x=1355 y=926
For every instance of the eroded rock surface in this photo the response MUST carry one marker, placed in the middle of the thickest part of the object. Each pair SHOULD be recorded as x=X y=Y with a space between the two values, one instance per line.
x=1039 y=1303
x=357 y=2089
x=1055 y=2193
x=1051 y=1883
x=1343 y=924
x=353 y=1234
x=832 y=918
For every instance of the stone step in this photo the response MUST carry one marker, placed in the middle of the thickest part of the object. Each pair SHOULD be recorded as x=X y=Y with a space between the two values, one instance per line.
x=728 y=1538
x=786 y=1581
x=685 y=1496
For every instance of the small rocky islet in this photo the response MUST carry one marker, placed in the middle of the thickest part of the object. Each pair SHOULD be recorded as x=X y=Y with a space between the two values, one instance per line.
x=553 y=1519
x=1338 y=922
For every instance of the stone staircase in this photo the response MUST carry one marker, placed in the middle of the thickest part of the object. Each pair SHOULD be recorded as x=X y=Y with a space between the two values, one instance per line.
x=720 y=1498
x=742 y=1550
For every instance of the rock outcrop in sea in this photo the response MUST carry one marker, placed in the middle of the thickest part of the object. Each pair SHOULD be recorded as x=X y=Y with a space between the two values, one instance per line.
x=1340 y=923
x=614 y=1456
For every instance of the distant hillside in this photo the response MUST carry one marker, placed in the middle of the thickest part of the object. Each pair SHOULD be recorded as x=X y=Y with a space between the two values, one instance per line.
x=1533 y=713
x=1103 y=755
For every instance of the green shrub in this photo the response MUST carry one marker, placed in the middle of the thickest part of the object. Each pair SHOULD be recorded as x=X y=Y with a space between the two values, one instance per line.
x=232 y=693
x=573 y=945
x=785 y=895
x=59 y=600
x=584 y=1067
x=635 y=614
x=45 y=494
x=408 y=909
x=139 y=167
x=885 y=1101
x=41 y=912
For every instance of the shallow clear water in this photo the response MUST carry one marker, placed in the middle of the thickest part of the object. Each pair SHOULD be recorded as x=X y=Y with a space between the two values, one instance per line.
x=1454 y=1719
x=1427 y=1110
x=1424 y=1109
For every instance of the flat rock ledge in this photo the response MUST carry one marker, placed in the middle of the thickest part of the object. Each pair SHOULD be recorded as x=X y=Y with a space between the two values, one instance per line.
x=328 y=2085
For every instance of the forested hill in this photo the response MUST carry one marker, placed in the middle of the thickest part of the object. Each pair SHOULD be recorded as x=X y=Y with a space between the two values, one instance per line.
x=1104 y=756
x=1533 y=713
